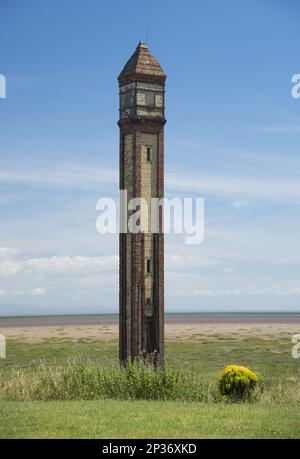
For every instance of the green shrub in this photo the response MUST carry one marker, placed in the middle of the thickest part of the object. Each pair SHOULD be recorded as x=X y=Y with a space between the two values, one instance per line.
x=237 y=383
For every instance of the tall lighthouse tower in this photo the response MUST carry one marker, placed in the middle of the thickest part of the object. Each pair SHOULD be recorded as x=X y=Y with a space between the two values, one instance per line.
x=141 y=122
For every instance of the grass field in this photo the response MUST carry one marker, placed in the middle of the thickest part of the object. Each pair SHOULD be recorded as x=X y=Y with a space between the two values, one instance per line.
x=275 y=415
x=141 y=419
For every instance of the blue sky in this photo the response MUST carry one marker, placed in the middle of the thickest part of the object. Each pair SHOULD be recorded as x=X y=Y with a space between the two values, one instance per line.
x=232 y=137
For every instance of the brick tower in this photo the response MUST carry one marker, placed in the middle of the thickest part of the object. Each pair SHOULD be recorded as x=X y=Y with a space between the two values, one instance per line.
x=141 y=123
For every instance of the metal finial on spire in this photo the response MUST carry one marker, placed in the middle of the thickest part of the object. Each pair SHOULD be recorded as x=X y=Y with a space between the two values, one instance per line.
x=147 y=34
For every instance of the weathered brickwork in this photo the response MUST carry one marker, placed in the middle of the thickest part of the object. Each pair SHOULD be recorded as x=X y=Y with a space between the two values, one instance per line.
x=141 y=174
x=128 y=186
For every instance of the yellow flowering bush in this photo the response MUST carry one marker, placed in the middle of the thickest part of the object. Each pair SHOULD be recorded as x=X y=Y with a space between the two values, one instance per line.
x=237 y=382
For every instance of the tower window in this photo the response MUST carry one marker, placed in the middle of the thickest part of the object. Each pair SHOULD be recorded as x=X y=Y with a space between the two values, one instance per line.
x=149 y=154
x=149 y=98
x=148 y=265
x=127 y=99
x=148 y=308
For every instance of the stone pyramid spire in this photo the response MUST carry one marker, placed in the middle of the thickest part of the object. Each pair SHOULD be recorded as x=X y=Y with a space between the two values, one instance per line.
x=142 y=65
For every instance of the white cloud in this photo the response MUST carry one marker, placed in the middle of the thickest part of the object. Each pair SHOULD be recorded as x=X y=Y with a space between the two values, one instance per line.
x=202 y=292
x=18 y=292
x=274 y=290
x=228 y=269
x=280 y=128
x=270 y=290
x=67 y=279
x=38 y=291
x=229 y=186
x=71 y=263
x=7 y=252
x=65 y=176
x=187 y=288
x=239 y=204
x=267 y=243
x=189 y=261
x=205 y=292
x=9 y=268
x=236 y=189
x=59 y=264
x=63 y=276
x=103 y=280
x=8 y=265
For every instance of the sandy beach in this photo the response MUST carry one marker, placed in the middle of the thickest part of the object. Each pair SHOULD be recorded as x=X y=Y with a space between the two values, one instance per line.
x=172 y=331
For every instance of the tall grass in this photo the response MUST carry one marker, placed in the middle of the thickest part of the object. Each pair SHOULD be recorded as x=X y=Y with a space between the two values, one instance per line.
x=78 y=380
x=85 y=380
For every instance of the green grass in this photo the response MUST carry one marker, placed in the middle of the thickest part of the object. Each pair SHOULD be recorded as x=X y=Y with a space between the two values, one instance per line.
x=276 y=413
x=21 y=355
x=269 y=358
x=141 y=419
x=77 y=380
